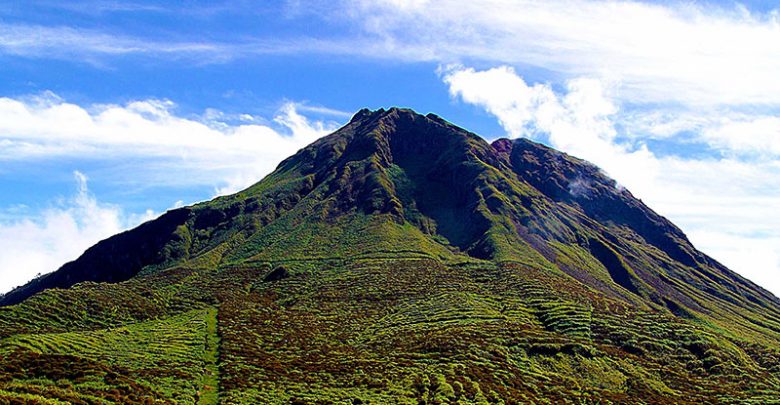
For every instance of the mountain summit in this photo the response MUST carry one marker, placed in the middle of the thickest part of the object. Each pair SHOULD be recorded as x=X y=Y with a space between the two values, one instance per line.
x=401 y=259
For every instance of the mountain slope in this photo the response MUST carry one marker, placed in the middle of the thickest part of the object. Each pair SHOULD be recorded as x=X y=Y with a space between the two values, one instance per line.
x=405 y=258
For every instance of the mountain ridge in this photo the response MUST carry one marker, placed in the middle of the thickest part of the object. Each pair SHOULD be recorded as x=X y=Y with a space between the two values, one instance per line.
x=557 y=176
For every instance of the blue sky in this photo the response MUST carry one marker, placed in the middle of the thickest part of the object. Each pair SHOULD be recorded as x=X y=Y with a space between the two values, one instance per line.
x=113 y=112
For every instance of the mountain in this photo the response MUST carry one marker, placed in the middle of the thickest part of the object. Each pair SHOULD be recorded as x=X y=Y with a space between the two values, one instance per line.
x=400 y=259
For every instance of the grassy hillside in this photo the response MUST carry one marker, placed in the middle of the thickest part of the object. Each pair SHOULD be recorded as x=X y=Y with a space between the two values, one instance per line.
x=379 y=331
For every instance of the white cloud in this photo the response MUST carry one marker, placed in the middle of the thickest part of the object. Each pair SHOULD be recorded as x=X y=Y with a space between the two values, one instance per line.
x=756 y=257
x=72 y=43
x=100 y=47
x=675 y=51
x=724 y=131
x=579 y=122
x=187 y=151
x=41 y=244
x=728 y=206
x=514 y=110
x=316 y=109
x=663 y=124
x=751 y=134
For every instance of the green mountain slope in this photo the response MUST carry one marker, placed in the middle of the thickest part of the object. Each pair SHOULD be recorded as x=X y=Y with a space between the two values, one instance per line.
x=399 y=260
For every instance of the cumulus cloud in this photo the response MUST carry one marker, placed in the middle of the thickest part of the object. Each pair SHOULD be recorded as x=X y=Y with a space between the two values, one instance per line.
x=174 y=149
x=38 y=245
x=578 y=122
x=726 y=205
x=515 y=110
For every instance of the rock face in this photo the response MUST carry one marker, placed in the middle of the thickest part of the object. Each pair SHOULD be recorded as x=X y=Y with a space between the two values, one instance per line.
x=404 y=240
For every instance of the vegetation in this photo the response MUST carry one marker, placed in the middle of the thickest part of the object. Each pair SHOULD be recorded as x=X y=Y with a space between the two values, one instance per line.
x=399 y=260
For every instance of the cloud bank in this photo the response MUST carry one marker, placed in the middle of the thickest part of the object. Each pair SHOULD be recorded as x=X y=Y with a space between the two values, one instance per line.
x=187 y=151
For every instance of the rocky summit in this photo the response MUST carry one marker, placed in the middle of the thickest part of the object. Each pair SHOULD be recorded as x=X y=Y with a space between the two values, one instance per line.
x=399 y=260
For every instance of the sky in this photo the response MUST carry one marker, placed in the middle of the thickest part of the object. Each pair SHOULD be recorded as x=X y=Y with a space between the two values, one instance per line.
x=113 y=112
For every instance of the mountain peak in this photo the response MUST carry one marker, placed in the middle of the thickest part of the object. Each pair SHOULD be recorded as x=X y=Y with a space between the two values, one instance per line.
x=421 y=178
x=392 y=112
x=399 y=259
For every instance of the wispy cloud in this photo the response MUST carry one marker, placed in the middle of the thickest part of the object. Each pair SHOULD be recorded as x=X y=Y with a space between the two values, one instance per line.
x=69 y=42
x=98 y=47
x=317 y=109
x=675 y=51
x=99 y=7
x=745 y=134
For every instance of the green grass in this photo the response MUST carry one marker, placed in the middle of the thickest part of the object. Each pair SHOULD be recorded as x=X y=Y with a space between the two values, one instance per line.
x=174 y=358
x=383 y=331
x=208 y=394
